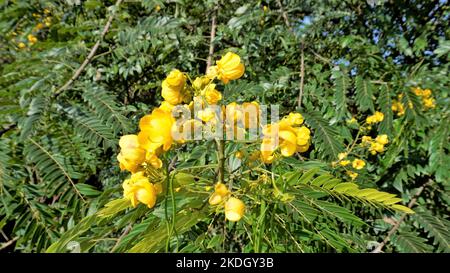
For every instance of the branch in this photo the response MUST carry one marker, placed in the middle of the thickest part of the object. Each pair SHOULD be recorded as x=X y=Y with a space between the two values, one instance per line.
x=211 y=38
x=9 y=127
x=302 y=76
x=10 y=242
x=396 y=227
x=91 y=53
x=302 y=55
x=284 y=14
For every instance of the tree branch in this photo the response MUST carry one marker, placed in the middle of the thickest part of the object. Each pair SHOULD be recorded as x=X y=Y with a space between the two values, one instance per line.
x=302 y=76
x=211 y=38
x=397 y=225
x=91 y=53
x=9 y=127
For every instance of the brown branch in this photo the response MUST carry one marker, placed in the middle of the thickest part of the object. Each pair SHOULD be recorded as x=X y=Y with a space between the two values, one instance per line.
x=125 y=232
x=211 y=38
x=397 y=225
x=10 y=242
x=91 y=53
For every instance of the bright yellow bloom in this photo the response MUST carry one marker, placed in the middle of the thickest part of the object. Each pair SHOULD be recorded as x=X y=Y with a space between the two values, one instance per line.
x=382 y=139
x=302 y=148
x=303 y=135
x=206 y=115
x=426 y=93
x=32 y=39
x=295 y=119
x=352 y=121
x=166 y=106
x=239 y=154
x=158 y=127
x=131 y=154
x=267 y=149
x=212 y=96
x=172 y=87
x=366 y=139
x=229 y=67
x=398 y=107
x=358 y=164
x=22 y=45
x=40 y=26
x=288 y=142
x=234 y=209
x=375 y=118
x=429 y=103
x=344 y=162
x=376 y=147
x=139 y=189
x=220 y=192
x=352 y=175
x=157 y=7
x=417 y=91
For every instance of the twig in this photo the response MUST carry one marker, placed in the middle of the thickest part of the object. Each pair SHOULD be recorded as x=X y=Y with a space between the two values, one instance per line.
x=9 y=127
x=302 y=76
x=10 y=242
x=125 y=232
x=302 y=55
x=284 y=14
x=91 y=53
x=396 y=227
x=211 y=38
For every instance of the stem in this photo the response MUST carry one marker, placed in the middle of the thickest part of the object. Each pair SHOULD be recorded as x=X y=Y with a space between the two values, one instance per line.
x=221 y=160
x=395 y=228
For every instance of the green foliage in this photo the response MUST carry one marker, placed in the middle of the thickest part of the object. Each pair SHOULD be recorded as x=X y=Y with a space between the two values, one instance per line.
x=60 y=182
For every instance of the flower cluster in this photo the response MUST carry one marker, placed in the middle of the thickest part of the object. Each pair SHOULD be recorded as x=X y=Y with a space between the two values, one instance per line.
x=44 y=20
x=357 y=164
x=141 y=153
x=289 y=135
x=375 y=118
x=375 y=145
x=426 y=97
x=234 y=207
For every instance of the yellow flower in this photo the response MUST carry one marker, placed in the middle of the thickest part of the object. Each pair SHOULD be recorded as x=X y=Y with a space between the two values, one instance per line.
x=32 y=39
x=21 y=45
x=220 y=192
x=254 y=155
x=352 y=175
x=158 y=8
x=366 y=139
x=212 y=96
x=166 y=107
x=158 y=128
x=302 y=148
x=429 y=103
x=46 y=11
x=234 y=209
x=358 y=164
x=417 y=91
x=229 y=67
x=375 y=118
x=376 y=147
x=172 y=87
x=426 y=93
x=239 y=154
x=342 y=156
x=382 y=139
x=267 y=149
x=344 y=162
x=265 y=8
x=131 y=154
x=288 y=142
x=139 y=189
x=206 y=115
x=303 y=135
x=40 y=26
x=295 y=119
